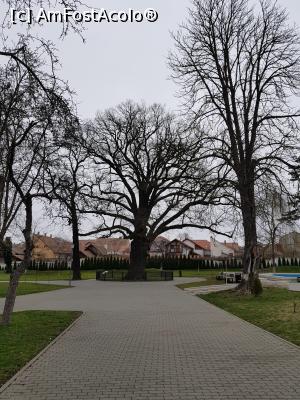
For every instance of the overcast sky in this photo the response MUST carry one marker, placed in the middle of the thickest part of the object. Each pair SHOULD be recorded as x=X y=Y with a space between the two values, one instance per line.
x=124 y=60
x=121 y=61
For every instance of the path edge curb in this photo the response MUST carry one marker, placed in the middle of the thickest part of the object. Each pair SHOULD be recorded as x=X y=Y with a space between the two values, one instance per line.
x=36 y=357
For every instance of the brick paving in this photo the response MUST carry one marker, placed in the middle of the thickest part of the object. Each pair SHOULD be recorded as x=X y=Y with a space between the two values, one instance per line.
x=209 y=289
x=154 y=341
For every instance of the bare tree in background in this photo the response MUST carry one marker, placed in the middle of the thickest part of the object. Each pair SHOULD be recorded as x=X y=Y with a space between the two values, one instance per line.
x=68 y=180
x=19 y=51
x=155 y=180
x=238 y=67
x=31 y=133
x=7 y=5
x=26 y=42
x=9 y=200
x=271 y=208
x=293 y=214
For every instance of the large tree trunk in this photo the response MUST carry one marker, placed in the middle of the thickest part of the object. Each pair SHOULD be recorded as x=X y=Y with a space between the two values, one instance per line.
x=15 y=275
x=138 y=257
x=140 y=244
x=75 y=252
x=250 y=258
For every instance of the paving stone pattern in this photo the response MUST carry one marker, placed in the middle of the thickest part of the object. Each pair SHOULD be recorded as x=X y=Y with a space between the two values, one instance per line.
x=154 y=341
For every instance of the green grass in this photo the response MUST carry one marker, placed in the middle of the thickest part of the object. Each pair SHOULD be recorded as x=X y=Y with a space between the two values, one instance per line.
x=209 y=280
x=284 y=269
x=201 y=273
x=28 y=334
x=66 y=275
x=29 y=288
x=49 y=275
x=272 y=311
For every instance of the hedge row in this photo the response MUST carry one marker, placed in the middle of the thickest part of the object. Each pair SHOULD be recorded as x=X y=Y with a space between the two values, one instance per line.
x=287 y=262
x=172 y=263
x=159 y=262
x=107 y=263
x=48 y=266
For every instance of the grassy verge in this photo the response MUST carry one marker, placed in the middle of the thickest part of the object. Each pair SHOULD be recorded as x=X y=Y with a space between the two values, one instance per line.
x=49 y=275
x=201 y=273
x=272 y=311
x=209 y=280
x=28 y=334
x=67 y=275
x=283 y=269
x=29 y=288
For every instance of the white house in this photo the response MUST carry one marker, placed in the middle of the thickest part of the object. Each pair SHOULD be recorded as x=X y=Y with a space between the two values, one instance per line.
x=200 y=247
x=219 y=249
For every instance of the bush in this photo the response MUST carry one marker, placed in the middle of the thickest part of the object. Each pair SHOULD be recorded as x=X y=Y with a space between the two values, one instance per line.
x=257 y=288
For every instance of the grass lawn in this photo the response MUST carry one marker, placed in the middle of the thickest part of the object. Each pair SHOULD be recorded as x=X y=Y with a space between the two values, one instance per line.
x=209 y=280
x=66 y=275
x=29 y=288
x=283 y=269
x=28 y=334
x=49 y=275
x=273 y=310
x=202 y=273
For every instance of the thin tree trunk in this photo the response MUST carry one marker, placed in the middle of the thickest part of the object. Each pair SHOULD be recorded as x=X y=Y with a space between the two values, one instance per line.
x=2 y=187
x=15 y=276
x=75 y=252
x=273 y=254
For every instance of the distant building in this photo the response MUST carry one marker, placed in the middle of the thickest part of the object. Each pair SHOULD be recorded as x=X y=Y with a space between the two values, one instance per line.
x=290 y=244
x=102 y=247
x=204 y=248
x=177 y=248
x=159 y=247
x=46 y=248
x=200 y=247
x=267 y=252
x=225 y=249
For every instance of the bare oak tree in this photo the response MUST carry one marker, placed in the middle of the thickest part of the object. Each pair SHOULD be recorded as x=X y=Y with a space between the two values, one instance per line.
x=155 y=180
x=238 y=67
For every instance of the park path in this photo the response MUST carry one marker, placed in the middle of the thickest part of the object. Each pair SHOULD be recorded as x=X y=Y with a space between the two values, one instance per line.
x=153 y=341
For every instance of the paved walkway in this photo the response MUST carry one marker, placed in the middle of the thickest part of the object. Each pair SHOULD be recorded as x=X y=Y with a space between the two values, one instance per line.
x=154 y=341
x=209 y=289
